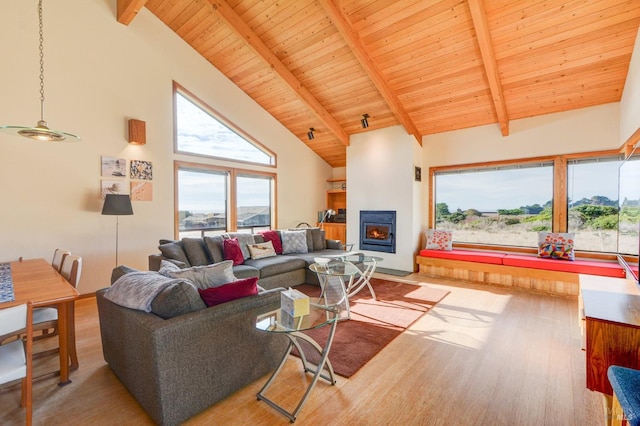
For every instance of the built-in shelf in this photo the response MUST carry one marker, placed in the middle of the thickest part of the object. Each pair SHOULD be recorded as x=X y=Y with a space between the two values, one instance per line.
x=337 y=180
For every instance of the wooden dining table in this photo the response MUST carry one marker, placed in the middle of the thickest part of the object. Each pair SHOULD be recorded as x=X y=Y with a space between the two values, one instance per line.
x=36 y=281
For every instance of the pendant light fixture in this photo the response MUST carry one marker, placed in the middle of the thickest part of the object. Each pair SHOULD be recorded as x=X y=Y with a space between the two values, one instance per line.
x=40 y=132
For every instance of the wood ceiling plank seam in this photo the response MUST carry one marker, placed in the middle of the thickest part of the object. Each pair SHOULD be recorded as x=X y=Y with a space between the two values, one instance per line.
x=603 y=67
x=549 y=88
x=298 y=36
x=255 y=43
x=482 y=95
x=186 y=15
x=566 y=61
x=416 y=26
x=371 y=68
x=443 y=93
x=126 y=10
x=325 y=46
x=425 y=46
x=557 y=106
x=443 y=36
x=252 y=72
x=230 y=57
x=361 y=9
x=345 y=90
x=161 y=8
x=492 y=73
x=216 y=34
x=564 y=11
x=424 y=100
x=272 y=25
x=332 y=63
x=221 y=43
x=441 y=78
x=619 y=23
x=169 y=10
x=402 y=15
x=201 y=27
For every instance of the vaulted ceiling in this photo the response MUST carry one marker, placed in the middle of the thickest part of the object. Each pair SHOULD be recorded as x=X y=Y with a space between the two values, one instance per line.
x=428 y=65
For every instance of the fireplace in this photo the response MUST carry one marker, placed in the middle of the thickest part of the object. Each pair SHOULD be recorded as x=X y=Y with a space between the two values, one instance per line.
x=378 y=230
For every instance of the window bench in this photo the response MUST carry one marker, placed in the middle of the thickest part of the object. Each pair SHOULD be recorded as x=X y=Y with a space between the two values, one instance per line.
x=518 y=270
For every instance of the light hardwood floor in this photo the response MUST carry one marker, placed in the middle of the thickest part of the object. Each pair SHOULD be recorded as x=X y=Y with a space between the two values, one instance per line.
x=483 y=356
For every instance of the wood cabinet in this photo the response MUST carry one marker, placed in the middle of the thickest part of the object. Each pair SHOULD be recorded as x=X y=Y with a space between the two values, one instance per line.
x=335 y=231
x=610 y=311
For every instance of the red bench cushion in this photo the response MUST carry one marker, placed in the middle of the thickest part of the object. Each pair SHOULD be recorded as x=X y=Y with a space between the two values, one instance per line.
x=577 y=266
x=468 y=255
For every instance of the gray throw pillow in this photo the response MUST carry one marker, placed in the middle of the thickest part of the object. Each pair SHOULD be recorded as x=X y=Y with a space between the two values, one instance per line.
x=177 y=299
x=204 y=277
x=215 y=247
x=294 y=242
x=174 y=251
x=317 y=237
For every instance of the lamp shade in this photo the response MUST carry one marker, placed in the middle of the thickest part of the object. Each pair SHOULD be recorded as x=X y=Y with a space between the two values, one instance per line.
x=117 y=204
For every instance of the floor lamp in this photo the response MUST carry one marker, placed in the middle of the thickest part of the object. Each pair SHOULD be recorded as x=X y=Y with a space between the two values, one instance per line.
x=117 y=205
x=326 y=215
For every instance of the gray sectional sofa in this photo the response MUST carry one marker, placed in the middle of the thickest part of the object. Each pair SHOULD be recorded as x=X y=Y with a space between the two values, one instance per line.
x=283 y=270
x=181 y=357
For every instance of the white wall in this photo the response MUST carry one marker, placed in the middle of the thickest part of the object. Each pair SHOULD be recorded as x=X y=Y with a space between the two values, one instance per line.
x=630 y=102
x=581 y=130
x=380 y=176
x=99 y=74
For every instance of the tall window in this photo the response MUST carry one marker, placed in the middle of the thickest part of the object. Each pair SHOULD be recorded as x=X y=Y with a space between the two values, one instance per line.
x=505 y=205
x=202 y=131
x=592 y=191
x=202 y=202
x=253 y=202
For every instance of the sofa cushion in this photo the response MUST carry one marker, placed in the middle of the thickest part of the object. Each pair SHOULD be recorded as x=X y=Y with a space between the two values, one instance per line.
x=177 y=299
x=232 y=251
x=274 y=237
x=175 y=251
x=245 y=271
x=261 y=250
x=204 y=277
x=228 y=292
x=494 y=258
x=243 y=240
x=294 y=242
x=270 y=266
x=215 y=248
x=196 y=251
x=317 y=239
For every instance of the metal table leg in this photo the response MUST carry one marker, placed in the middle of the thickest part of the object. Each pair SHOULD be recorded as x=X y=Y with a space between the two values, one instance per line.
x=354 y=288
x=308 y=368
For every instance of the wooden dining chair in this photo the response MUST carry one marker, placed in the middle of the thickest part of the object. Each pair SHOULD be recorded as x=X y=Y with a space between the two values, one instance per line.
x=45 y=319
x=58 y=258
x=16 y=356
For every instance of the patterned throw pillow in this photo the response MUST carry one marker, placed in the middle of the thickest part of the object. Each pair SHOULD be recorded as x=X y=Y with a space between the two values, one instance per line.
x=274 y=237
x=554 y=245
x=294 y=242
x=439 y=239
x=261 y=250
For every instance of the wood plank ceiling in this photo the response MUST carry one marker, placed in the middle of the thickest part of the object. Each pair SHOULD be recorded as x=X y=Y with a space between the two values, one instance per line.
x=430 y=66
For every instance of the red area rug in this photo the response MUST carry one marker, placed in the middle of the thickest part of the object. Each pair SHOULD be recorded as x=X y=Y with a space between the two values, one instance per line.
x=374 y=323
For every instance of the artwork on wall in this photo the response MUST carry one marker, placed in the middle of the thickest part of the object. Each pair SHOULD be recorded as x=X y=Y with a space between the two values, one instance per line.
x=113 y=187
x=141 y=191
x=418 y=173
x=141 y=170
x=113 y=167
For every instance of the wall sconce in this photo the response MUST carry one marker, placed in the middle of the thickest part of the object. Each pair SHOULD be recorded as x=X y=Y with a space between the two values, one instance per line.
x=364 y=121
x=310 y=133
x=137 y=132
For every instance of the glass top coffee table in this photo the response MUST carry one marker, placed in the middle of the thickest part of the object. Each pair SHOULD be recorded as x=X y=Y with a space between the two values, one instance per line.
x=273 y=319
x=344 y=265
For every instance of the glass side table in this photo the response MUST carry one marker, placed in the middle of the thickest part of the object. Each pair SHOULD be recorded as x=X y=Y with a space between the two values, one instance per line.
x=274 y=320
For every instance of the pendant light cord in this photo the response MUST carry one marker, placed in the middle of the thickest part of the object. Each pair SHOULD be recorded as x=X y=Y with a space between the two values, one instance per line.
x=41 y=46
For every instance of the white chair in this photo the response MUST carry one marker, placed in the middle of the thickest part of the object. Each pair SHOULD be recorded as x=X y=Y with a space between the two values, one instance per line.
x=15 y=356
x=58 y=258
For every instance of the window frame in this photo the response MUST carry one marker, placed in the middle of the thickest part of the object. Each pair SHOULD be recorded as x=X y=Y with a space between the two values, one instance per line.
x=231 y=206
x=560 y=196
x=177 y=88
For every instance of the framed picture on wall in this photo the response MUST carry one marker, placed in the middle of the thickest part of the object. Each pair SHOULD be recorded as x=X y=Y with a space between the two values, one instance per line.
x=113 y=187
x=418 y=173
x=141 y=191
x=113 y=167
x=141 y=170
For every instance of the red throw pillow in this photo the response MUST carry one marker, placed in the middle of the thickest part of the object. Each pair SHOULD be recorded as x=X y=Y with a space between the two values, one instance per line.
x=271 y=235
x=228 y=292
x=232 y=251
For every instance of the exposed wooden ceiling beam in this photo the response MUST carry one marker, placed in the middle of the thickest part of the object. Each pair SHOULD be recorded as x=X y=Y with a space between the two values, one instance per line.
x=481 y=26
x=128 y=9
x=257 y=45
x=354 y=42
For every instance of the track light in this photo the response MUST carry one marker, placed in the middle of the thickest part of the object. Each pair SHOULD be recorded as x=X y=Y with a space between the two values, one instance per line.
x=310 y=133
x=364 y=121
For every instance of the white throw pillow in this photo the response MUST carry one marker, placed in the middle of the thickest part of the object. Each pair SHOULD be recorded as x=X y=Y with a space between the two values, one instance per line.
x=438 y=239
x=204 y=277
x=294 y=242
